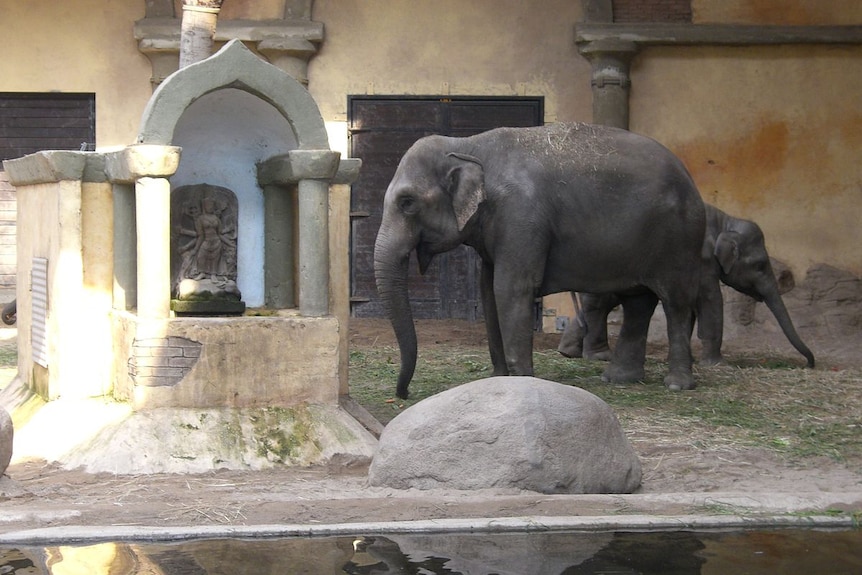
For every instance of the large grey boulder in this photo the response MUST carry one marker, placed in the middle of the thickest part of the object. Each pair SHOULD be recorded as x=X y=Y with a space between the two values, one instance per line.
x=6 y=434
x=508 y=432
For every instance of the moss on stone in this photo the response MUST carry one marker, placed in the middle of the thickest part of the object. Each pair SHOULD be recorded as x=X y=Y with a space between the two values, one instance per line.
x=283 y=434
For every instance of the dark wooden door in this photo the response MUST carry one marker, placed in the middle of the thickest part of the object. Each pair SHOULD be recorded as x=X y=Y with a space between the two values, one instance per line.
x=33 y=122
x=30 y=122
x=381 y=130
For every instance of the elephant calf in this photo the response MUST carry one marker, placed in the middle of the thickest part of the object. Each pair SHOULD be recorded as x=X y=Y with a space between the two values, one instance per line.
x=734 y=253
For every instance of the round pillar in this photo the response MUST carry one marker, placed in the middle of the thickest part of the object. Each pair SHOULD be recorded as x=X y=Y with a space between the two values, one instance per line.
x=314 y=247
x=610 y=60
x=279 y=229
x=153 y=206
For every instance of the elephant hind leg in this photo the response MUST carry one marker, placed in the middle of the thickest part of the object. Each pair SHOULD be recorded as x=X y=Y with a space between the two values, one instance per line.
x=629 y=355
x=680 y=326
x=572 y=340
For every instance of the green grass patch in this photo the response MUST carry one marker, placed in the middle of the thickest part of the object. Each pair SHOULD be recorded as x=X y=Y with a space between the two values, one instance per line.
x=764 y=403
x=8 y=356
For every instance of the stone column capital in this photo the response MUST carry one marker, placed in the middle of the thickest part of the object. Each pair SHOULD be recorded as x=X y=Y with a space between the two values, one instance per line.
x=142 y=160
x=610 y=59
x=348 y=171
x=608 y=47
x=299 y=165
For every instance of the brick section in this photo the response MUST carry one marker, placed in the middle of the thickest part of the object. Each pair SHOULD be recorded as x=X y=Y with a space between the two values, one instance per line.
x=8 y=223
x=163 y=361
x=652 y=11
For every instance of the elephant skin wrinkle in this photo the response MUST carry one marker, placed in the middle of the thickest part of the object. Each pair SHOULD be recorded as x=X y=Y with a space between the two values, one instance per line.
x=508 y=432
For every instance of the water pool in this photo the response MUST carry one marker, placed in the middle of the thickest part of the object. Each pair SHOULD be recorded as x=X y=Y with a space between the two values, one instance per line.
x=787 y=551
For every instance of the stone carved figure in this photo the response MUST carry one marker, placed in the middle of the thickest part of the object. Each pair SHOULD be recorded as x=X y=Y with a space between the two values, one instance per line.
x=186 y=239
x=204 y=244
x=208 y=252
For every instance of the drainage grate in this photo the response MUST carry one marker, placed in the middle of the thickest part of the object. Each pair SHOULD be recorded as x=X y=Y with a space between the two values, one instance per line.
x=39 y=322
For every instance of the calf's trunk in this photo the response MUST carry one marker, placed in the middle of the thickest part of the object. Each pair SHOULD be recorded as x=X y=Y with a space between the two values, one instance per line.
x=773 y=301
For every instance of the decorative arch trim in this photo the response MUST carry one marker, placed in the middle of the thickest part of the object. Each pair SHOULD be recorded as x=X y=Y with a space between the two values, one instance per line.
x=234 y=66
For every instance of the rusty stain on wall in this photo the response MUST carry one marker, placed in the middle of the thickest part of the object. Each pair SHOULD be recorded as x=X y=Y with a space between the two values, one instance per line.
x=741 y=168
x=777 y=12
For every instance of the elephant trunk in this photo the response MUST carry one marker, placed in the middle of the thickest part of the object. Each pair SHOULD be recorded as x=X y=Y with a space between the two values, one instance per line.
x=390 y=272
x=776 y=305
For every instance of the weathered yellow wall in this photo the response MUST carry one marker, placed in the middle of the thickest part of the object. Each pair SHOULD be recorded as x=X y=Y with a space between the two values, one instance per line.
x=771 y=134
x=477 y=48
x=80 y=46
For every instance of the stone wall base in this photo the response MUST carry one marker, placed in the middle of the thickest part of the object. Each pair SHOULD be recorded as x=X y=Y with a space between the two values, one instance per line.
x=279 y=360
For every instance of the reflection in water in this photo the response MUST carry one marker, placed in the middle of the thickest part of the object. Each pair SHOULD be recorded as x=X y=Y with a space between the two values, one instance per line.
x=789 y=552
x=662 y=553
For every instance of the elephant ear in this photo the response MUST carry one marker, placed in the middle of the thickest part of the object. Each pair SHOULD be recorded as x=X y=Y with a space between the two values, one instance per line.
x=727 y=250
x=466 y=185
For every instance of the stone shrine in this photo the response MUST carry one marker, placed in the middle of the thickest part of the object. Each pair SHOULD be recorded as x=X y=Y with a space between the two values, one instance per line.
x=135 y=267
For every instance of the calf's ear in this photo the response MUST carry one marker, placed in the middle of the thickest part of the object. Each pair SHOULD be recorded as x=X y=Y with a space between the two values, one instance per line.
x=466 y=186
x=727 y=250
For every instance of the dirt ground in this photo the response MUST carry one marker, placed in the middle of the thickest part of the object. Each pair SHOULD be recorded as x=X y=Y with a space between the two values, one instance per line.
x=680 y=478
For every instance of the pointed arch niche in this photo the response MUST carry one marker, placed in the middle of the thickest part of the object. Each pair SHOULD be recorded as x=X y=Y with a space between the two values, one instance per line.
x=245 y=125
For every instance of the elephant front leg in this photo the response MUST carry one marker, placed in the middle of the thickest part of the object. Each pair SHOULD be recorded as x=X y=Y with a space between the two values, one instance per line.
x=710 y=321
x=492 y=321
x=515 y=305
x=629 y=355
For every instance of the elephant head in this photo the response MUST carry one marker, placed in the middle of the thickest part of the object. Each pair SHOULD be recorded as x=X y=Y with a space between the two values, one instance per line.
x=745 y=266
x=434 y=194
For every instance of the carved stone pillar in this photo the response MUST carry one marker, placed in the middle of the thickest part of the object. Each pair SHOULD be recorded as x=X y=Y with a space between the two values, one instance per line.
x=310 y=172
x=610 y=60
x=279 y=229
x=314 y=246
x=149 y=167
x=125 y=288
x=197 y=30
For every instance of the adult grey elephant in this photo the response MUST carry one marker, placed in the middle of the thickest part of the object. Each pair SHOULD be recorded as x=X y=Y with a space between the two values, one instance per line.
x=549 y=209
x=733 y=253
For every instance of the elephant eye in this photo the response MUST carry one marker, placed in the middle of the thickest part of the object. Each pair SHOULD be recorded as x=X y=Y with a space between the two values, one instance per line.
x=408 y=204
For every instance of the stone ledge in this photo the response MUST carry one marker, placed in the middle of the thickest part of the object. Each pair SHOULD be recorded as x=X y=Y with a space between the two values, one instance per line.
x=167 y=30
x=47 y=167
x=715 y=34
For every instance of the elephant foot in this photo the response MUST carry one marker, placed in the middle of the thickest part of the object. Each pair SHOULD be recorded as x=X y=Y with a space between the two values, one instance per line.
x=622 y=374
x=678 y=381
x=598 y=355
x=570 y=351
x=711 y=360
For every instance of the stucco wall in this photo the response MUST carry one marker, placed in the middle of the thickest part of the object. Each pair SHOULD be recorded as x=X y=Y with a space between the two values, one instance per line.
x=449 y=47
x=80 y=46
x=771 y=134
